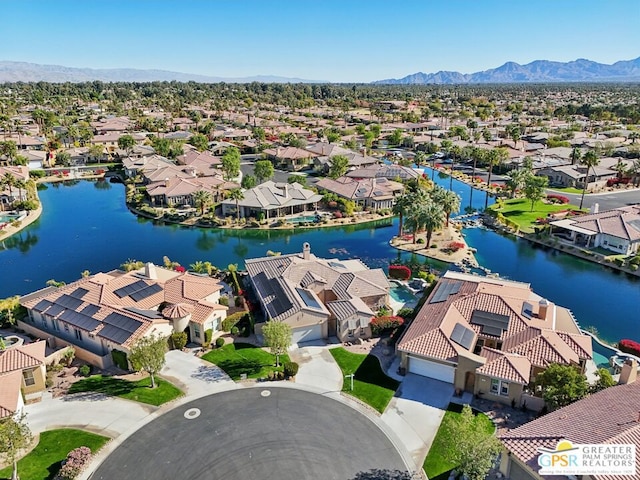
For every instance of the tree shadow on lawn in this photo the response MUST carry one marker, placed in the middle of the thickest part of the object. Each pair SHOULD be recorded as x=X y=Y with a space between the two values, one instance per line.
x=234 y=368
x=370 y=371
x=107 y=385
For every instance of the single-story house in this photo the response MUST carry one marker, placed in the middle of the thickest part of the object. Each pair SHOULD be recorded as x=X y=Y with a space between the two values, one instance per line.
x=11 y=194
x=270 y=200
x=609 y=417
x=318 y=297
x=491 y=337
x=617 y=230
x=178 y=190
x=290 y=158
x=575 y=175
x=22 y=373
x=369 y=193
x=111 y=311
x=390 y=172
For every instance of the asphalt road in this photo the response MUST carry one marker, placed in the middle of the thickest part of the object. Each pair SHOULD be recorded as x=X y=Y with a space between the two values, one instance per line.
x=605 y=201
x=242 y=434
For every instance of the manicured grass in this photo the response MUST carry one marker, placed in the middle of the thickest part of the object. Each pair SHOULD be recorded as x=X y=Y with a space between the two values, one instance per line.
x=436 y=464
x=44 y=461
x=138 y=391
x=370 y=383
x=238 y=358
x=518 y=210
x=567 y=190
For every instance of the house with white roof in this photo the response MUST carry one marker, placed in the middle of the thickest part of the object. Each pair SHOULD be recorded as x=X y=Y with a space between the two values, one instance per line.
x=318 y=298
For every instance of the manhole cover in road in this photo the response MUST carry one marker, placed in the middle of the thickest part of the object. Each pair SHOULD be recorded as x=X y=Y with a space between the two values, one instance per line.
x=265 y=393
x=192 y=413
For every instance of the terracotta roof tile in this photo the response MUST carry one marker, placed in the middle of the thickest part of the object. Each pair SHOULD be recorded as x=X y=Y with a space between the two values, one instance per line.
x=10 y=392
x=506 y=366
x=24 y=356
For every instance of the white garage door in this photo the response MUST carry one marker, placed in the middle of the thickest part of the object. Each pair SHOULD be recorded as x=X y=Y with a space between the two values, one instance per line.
x=306 y=334
x=429 y=369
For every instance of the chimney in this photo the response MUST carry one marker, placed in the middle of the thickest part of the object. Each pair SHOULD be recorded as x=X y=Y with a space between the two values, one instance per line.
x=150 y=271
x=543 y=305
x=286 y=190
x=629 y=373
x=595 y=208
x=306 y=250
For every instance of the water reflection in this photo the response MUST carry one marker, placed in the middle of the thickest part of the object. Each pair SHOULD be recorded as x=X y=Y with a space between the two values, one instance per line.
x=23 y=241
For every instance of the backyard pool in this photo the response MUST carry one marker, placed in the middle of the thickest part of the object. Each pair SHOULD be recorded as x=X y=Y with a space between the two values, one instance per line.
x=400 y=293
x=602 y=354
x=304 y=219
x=9 y=217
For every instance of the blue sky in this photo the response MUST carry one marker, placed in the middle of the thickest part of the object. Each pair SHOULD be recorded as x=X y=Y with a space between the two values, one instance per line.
x=333 y=40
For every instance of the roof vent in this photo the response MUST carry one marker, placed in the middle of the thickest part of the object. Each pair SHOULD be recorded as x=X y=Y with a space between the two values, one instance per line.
x=150 y=271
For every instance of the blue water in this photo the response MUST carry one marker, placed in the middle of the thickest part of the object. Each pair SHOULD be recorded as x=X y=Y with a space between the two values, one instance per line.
x=86 y=226
x=601 y=354
x=401 y=294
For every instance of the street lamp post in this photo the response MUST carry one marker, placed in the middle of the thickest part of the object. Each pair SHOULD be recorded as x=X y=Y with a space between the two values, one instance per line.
x=351 y=377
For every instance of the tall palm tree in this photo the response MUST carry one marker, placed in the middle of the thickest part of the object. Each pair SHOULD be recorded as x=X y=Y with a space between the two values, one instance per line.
x=576 y=155
x=401 y=207
x=431 y=218
x=450 y=202
x=495 y=157
x=237 y=195
x=20 y=185
x=202 y=199
x=9 y=181
x=589 y=160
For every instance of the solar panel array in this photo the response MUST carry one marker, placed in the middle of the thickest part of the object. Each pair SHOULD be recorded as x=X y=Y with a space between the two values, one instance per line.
x=150 y=314
x=445 y=288
x=79 y=320
x=462 y=335
x=55 y=310
x=145 y=292
x=275 y=298
x=308 y=299
x=118 y=328
x=67 y=301
x=527 y=309
x=79 y=292
x=490 y=323
x=90 y=310
x=42 y=305
x=129 y=289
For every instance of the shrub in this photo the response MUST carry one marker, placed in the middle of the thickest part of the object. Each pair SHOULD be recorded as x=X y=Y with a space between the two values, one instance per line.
x=421 y=241
x=219 y=342
x=291 y=369
x=400 y=272
x=76 y=461
x=120 y=359
x=224 y=301
x=337 y=214
x=455 y=246
x=85 y=370
x=405 y=313
x=380 y=325
x=555 y=198
x=238 y=301
x=231 y=321
x=37 y=174
x=234 y=330
x=208 y=333
x=179 y=340
x=629 y=346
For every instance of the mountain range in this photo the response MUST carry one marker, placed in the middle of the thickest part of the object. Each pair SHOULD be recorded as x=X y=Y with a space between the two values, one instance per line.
x=539 y=71
x=33 y=72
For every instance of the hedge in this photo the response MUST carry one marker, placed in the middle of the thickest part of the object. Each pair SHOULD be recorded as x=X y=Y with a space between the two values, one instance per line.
x=291 y=369
x=385 y=324
x=629 y=346
x=208 y=334
x=179 y=340
x=401 y=272
x=120 y=359
x=231 y=321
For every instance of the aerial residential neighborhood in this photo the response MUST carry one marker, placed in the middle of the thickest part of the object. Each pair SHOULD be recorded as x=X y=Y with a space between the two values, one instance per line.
x=275 y=244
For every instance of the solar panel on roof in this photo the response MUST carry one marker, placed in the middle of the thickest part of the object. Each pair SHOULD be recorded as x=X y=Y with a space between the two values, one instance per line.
x=308 y=299
x=54 y=310
x=68 y=301
x=150 y=314
x=462 y=335
x=145 y=292
x=121 y=321
x=445 y=288
x=42 y=305
x=114 y=334
x=79 y=292
x=79 y=320
x=129 y=289
x=90 y=310
x=491 y=323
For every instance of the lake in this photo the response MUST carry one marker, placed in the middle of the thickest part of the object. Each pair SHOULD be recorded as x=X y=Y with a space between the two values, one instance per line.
x=86 y=226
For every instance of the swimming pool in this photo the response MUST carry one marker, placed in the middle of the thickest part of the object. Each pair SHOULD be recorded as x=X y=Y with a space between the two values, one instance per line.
x=602 y=354
x=400 y=293
x=8 y=217
x=304 y=219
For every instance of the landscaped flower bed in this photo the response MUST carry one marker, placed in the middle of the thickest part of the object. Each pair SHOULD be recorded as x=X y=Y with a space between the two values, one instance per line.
x=629 y=346
x=380 y=325
x=399 y=272
x=555 y=198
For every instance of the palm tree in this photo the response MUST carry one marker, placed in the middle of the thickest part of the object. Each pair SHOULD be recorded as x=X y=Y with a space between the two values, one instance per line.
x=20 y=185
x=202 y=199
x=576 y=155
x=621 y=169
x=233 y=268
x=431 y=218
x=495 y=157
x=517 y=180
x=450 y=202
x=401 y=207
x=237 y=195
x=9 y=181
x=589 y=160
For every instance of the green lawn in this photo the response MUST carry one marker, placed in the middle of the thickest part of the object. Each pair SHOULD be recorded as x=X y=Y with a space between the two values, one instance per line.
x=138 y=391
x=238 y=358
x=518 y=210
x=43 y=462
x=370 y=383
x=567 y=190
x=435 y=464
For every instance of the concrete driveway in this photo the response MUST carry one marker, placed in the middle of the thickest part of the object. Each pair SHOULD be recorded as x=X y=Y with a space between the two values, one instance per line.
x=318 y=369
x=196 y=377
x=415 y=413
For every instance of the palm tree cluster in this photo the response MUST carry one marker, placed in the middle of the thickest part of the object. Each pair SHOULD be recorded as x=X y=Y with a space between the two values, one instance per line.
x=428 y=210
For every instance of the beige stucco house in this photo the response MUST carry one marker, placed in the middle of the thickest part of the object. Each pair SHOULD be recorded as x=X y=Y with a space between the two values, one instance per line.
x=22 y=373
x=317 y=297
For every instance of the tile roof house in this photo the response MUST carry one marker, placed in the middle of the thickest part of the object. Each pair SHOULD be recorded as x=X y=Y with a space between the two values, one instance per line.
x=111 y=311
x=22 y=372
x=369 y=193
x=611 y=416
x=318 y=297
x=490 y=337
x=270 y=200
x=617 y=230
x=9 y=195
x=390 y=172
x=290 y=158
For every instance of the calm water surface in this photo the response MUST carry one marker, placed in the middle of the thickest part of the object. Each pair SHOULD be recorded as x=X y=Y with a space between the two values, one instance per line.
x=86 y=226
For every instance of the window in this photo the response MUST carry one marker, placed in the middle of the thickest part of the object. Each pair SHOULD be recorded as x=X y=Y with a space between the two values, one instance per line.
x=495 y=385
x=196 y=331
x=66 y=327
x=44 y=323
x=504 y=388
x=78 y=333
x=28 y=378
x=56 y=324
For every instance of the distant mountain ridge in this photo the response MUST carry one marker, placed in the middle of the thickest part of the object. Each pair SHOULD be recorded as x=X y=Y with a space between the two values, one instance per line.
x=538 y=71
x=34 y=72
